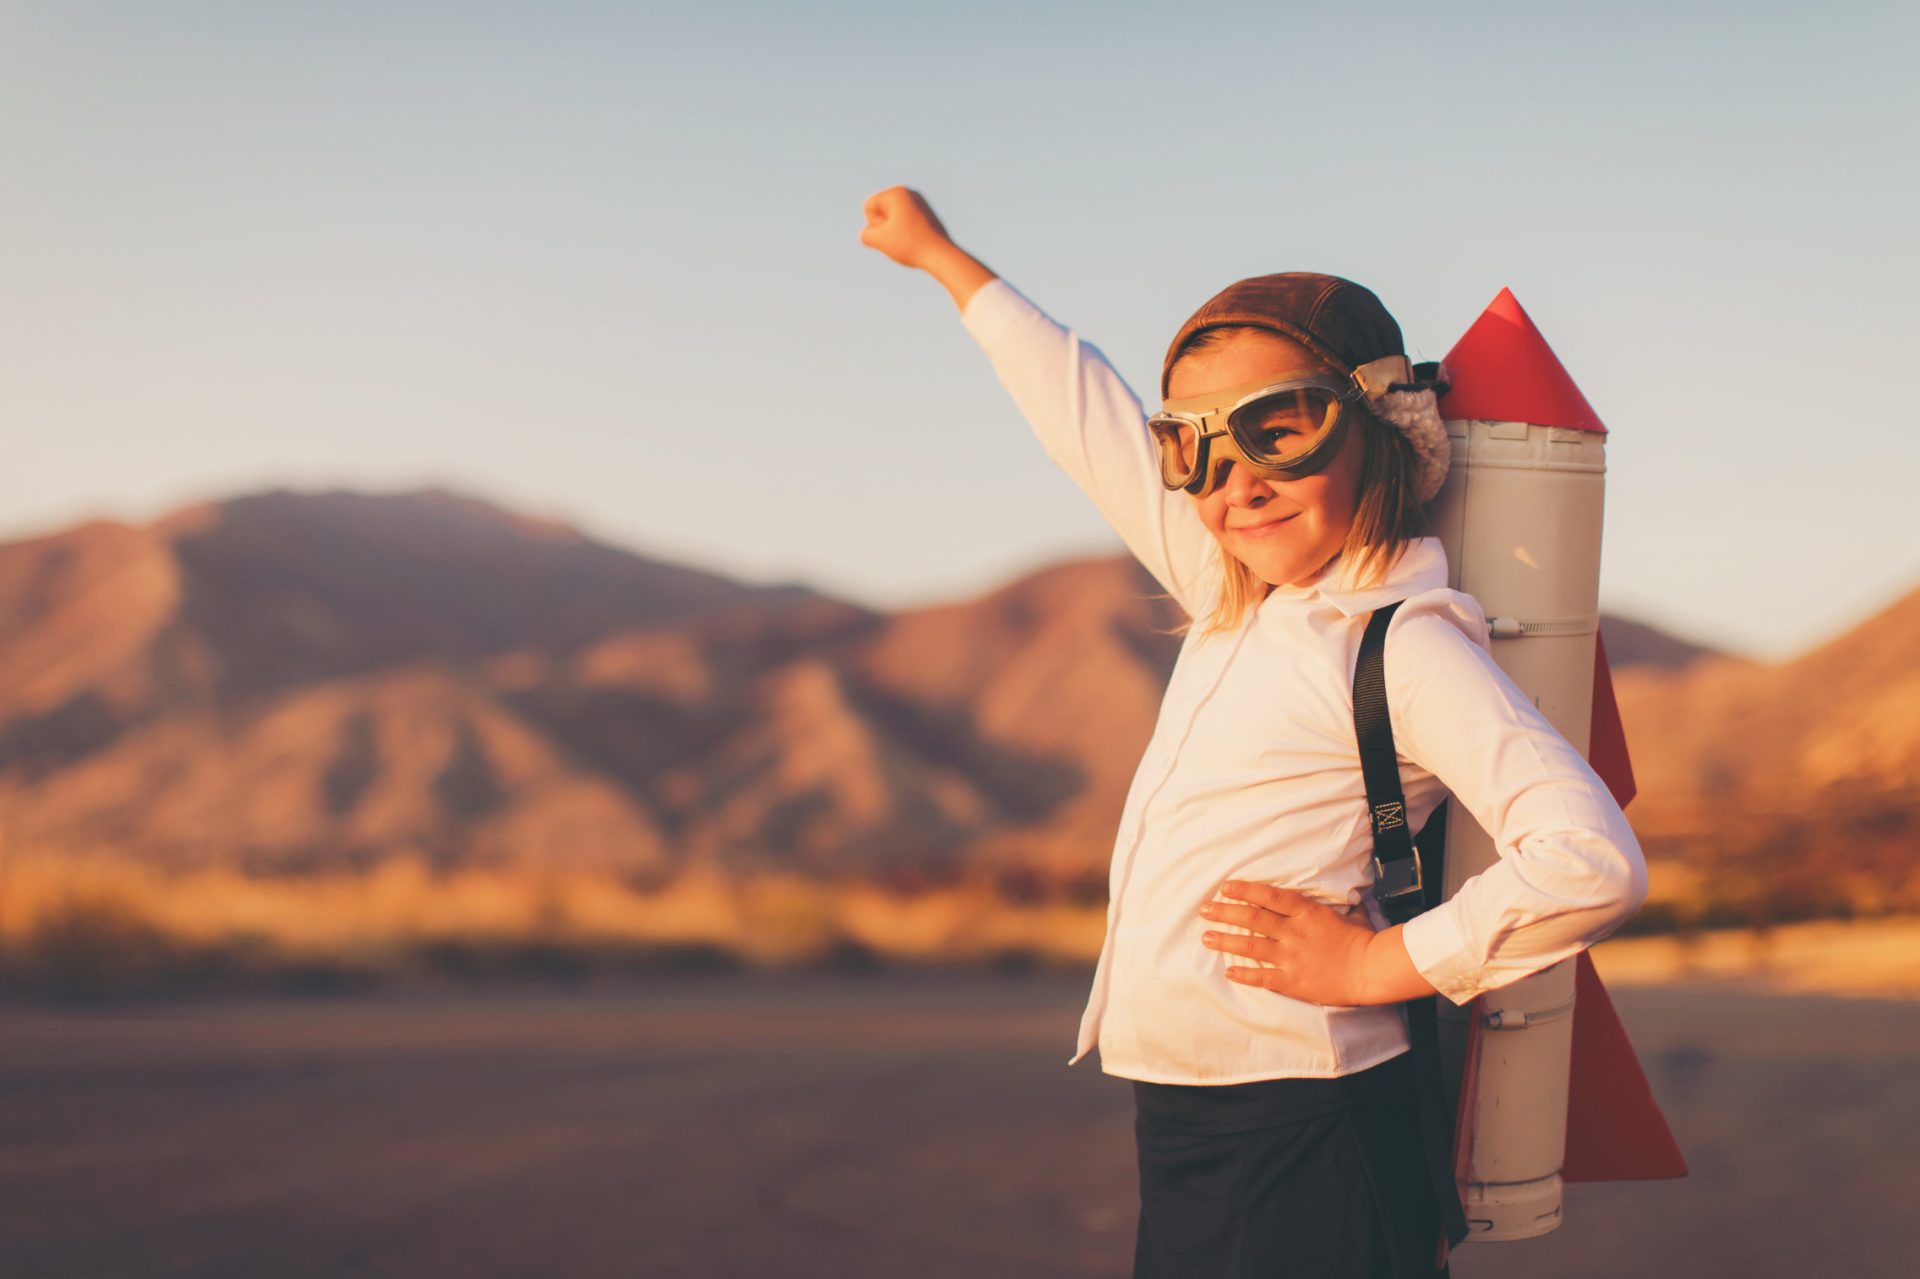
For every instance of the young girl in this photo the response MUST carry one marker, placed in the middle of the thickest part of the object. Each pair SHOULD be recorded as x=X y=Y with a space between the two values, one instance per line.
x=1249 y=985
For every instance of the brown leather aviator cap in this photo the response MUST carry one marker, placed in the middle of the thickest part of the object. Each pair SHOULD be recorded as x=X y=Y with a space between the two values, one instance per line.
x=1339 y=320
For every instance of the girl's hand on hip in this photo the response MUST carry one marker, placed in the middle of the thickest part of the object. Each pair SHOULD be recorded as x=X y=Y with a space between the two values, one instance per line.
x=1315 y=953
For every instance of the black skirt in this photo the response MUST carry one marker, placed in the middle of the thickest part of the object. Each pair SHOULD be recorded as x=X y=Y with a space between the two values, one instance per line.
x=1321 y=1178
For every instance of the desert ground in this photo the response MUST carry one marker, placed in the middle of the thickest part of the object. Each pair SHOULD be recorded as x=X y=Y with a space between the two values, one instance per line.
x=876 y=1124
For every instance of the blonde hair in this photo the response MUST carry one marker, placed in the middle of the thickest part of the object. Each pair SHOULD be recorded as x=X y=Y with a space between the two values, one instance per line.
x=1388 y=516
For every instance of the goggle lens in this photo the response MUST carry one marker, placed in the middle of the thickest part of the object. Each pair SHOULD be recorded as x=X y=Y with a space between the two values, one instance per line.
x=1179 y=449
x=1276 y=429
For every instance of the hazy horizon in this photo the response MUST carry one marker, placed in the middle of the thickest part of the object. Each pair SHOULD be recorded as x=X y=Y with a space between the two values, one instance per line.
x=935 y=600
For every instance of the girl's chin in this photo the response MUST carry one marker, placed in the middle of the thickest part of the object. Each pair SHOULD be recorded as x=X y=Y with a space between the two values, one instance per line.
x=1278 y=570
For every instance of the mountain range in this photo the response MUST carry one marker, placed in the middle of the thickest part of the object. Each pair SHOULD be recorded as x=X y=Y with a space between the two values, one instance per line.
x=298 y=683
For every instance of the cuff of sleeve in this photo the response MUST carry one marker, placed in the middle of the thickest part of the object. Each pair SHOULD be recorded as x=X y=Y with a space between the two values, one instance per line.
x=995 y=308
x=1439 y=951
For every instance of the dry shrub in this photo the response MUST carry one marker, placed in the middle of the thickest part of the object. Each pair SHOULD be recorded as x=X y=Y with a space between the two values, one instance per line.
x=96 y=920
x=93 y=943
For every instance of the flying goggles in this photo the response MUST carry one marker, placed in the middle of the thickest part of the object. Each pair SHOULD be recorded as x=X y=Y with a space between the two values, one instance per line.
x=1279 y=430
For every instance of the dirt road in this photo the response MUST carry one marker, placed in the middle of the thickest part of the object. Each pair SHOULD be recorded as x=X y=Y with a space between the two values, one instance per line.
x=828 y=1126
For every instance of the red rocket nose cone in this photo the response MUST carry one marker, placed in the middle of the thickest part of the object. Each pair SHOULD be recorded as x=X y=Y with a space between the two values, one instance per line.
x=1504 y=371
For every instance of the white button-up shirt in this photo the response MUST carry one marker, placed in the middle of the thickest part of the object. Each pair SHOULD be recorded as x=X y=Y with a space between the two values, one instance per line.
x=1253 y=770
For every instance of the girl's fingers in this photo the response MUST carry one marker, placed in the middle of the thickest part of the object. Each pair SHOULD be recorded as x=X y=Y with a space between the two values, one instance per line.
x=901 y=225
x=1242 y=944
x=1258 y=918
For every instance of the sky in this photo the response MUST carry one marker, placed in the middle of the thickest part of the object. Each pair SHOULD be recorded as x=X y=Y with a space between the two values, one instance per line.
x=601 y=262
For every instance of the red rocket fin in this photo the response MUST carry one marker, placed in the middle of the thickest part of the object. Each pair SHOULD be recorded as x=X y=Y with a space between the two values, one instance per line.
x=1607 y=740
x=1615 y=1131
x=1502 y=370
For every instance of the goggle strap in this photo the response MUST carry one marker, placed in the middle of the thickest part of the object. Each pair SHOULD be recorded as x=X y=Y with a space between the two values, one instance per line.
x=1376 y=377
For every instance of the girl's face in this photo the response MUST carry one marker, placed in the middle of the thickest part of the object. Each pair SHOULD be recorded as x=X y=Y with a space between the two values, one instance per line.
x=1286 y=531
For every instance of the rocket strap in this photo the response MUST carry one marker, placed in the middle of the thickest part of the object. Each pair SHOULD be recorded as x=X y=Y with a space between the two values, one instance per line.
x=1409 y=871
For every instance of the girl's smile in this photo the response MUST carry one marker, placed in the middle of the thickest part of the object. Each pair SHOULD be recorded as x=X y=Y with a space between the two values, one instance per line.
x=1258 y=530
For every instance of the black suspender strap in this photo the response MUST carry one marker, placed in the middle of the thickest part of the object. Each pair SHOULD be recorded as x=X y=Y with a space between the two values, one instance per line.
x=1404 y=887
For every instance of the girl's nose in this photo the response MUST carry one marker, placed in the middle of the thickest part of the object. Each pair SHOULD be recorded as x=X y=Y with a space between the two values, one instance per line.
x=1242 y=486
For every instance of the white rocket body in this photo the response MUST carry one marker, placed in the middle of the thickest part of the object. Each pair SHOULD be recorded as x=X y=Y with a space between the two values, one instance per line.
x=1520 y=518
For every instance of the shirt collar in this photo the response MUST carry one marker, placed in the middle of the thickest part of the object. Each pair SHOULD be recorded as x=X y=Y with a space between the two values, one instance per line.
x=1422 y=567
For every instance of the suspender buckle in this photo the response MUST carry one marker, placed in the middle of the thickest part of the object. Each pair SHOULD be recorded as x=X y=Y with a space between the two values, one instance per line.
x=1398 y=881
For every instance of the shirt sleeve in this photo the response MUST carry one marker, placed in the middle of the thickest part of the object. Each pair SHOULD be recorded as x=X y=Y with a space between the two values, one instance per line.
x=1093 y=427
x=1570 y=870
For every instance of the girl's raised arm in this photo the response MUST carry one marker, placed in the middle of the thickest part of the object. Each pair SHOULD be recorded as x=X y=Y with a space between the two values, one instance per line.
x=1088 y=420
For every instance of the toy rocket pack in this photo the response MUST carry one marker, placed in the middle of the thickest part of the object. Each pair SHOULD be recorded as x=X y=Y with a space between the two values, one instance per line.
x=1545 y=1084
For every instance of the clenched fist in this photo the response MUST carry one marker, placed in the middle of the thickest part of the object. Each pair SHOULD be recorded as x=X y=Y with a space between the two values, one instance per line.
x=902 y=226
